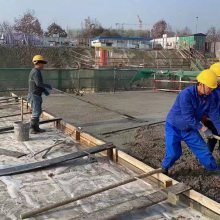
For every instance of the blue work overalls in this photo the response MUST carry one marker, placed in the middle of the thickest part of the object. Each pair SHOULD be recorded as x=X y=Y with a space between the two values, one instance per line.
x=183 y=124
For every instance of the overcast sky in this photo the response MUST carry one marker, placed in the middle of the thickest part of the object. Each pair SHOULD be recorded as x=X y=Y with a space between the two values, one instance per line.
x=70 y=13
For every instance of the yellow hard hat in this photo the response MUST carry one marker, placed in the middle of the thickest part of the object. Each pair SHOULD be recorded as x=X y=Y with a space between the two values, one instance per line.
x=208 y=78
x=38 y=59
x=216 y=68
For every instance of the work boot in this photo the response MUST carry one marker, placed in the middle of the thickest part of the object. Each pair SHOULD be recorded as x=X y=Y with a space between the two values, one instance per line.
x=34 y=126
x=39 y=130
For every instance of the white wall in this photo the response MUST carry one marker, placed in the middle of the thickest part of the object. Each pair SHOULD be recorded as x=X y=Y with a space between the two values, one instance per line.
x=167 y=42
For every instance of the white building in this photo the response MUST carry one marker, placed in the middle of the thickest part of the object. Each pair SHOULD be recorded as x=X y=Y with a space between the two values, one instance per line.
x=166 y=42
x=121 y=42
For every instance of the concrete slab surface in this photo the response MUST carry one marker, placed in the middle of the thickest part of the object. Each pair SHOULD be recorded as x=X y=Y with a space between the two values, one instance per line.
x=99 y=113
x=27 y=191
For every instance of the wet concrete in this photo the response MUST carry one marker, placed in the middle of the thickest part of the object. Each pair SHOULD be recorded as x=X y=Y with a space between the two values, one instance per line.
x=149 y=147
x=107 y=114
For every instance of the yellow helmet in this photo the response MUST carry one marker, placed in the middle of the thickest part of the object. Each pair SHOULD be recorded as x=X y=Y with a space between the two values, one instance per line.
x=38 y=59
x=216 y=68
x=208 y=78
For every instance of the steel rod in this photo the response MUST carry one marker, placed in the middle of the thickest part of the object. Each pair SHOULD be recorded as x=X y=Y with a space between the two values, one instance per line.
x=86 y=195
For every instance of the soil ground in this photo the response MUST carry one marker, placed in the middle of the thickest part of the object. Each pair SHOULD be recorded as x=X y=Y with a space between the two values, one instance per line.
x=149 y=147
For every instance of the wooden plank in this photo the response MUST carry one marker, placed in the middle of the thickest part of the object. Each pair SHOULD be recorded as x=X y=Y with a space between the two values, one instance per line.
x=84 y=137
x=50 y=162
x=117 y=211
x=167 y=181
x=191 y=194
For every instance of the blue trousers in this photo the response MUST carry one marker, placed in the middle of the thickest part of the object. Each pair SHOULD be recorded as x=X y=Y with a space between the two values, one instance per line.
x=36 y=105
x=194 y=141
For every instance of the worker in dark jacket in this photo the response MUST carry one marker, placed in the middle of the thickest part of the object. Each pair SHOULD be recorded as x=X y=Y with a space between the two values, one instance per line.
x=216 y=96
x=183 y=123
x=36 y=88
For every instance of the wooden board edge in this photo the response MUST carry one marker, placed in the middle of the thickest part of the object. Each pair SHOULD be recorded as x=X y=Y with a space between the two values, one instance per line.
x=192 y=194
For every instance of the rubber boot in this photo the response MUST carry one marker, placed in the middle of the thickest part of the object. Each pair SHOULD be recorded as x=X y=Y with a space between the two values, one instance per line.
x=38 y=129
x=33 y=126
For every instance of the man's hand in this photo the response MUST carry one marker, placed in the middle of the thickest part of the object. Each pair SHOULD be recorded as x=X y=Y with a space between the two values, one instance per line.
x=46 y=93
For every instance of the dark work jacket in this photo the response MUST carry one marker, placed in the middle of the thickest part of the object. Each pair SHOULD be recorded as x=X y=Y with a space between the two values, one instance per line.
x=189 y=107
x=36 y=85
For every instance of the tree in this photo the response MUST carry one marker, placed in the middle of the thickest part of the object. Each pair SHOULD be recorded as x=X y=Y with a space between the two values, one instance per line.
x=135 y=33
x=91 y=28
x=169 y=31
x=213 y=36
x=109 y=32
x=159 y=28
x=28 y=24
x=184 y=32
x=5 y=27
x=55 y=29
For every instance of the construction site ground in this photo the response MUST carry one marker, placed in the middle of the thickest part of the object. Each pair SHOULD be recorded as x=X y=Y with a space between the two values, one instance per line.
x=23 y=192
x=142 y=139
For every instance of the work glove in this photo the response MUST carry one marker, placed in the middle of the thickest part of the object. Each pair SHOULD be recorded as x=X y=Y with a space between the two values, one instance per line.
x=46 y=93
x=208 y=133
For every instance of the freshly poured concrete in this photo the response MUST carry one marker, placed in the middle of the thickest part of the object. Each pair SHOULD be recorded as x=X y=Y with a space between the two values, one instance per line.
x=27 y=191
x=148 y=106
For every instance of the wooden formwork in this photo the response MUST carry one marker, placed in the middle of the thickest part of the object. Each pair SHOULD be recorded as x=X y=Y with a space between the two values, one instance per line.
x=194 y=199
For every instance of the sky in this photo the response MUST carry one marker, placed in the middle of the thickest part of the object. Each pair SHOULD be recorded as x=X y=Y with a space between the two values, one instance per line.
x=71 y=13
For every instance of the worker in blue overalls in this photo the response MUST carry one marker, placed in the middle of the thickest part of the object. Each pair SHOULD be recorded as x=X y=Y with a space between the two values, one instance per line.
x=216 y=95
x=183 y=123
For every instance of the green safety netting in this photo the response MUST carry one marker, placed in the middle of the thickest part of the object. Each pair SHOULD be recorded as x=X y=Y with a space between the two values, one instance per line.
x=148 y=73
x=187 y=75
x=143 y=74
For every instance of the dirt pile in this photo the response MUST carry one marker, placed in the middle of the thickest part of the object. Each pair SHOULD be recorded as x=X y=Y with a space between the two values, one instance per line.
x=149 y=147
